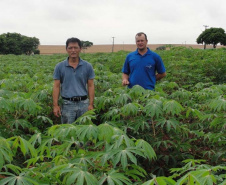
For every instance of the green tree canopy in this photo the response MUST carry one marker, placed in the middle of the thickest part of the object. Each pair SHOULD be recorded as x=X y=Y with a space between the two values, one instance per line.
x=212 y=36
x=15 y=43
x=86 y=44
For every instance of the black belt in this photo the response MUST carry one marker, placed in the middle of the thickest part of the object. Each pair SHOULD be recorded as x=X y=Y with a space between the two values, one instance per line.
x=76 y=98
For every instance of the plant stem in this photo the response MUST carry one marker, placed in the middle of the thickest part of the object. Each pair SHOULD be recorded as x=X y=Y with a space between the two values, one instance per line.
x=153 y=126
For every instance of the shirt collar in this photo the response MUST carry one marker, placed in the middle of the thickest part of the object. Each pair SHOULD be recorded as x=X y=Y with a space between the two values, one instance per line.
x=147 y=53
x=81 y=62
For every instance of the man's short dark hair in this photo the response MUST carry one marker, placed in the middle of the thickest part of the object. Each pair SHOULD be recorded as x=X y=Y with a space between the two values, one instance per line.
x=142 y=33
x=73 y=40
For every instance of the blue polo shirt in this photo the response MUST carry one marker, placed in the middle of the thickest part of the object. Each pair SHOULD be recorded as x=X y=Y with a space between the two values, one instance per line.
x=142 y=69
x=73 y=81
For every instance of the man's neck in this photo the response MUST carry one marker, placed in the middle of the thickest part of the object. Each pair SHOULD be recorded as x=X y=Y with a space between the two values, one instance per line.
x=142 y=51
x=73 y=62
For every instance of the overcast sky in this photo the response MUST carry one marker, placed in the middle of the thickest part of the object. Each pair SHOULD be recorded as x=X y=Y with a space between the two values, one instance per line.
x=164 y=21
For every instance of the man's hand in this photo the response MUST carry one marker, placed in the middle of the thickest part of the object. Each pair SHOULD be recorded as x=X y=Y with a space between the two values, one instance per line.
x=90 y=107
x=56 y=110
x=125 y=79
x=125 y=82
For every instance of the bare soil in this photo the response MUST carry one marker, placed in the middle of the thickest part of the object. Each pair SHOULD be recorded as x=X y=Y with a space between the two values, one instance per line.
x=60 y=49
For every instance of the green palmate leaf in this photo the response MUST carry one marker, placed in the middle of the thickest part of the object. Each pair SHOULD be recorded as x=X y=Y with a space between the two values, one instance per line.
x=23 y=144
x=154 y=108
x=60 y=160
x=136 y=91
x=83 y=161
x=181 y=94
x=147 y=149
x=86 y=118
x=130 y=109
x=4 y=104
x=219 y=122
x=223 y=183
x=160 y=181
x=172 y=107
x=103 y=102
x=56 y=170
x=34 y=160
x=87 y=132
x=46 y=146
x=122 y=139
x=41 y=95
x=165 y=143
x=36 y=138
x=122 y=99
x=193 y=112
x=218 y=104
x=135 y=172
x=63 y=131
x=140 y=124
x=66 y=147
x=29 y=105
x=77 y=176
x=189 y=178
x=123 y=155
x=13 y=168
x=206 y=177
x=6 y=155
x=104 y=157
x=114 y=178
x=113 y=114
x=45 y=119
x=117 y=131
x=21 y=179
x=106 y=131
x=4 y=93
x=168 y=124
x=16 y=123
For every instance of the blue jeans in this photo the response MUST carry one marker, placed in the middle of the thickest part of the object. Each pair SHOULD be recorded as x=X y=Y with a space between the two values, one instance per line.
x=72 y=110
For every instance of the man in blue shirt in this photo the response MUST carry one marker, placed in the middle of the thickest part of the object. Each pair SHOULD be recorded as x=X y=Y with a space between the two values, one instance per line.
x=142 y=67
x=72 y=77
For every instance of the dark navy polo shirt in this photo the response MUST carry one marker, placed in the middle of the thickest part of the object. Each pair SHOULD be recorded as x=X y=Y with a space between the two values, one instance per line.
x=73 y=81
x=142 y=69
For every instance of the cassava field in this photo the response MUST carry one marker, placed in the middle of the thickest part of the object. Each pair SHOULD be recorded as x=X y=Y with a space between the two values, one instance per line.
x=173 y=135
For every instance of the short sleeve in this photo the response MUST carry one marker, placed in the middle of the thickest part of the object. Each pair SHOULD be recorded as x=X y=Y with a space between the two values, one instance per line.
x=56 y=73
x=160 y=68
x=91 y=74
x=125 y=68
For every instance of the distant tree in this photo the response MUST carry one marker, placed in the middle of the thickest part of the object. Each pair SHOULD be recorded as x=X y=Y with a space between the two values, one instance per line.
x=86 y=44
x=15 y=43
x=212 y=36
x=161 y=48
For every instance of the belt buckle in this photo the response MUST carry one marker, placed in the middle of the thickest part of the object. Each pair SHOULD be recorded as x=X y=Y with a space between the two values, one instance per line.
x=76 y=99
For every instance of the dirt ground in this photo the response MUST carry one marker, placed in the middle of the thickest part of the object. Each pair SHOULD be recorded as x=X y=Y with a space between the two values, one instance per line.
x=60 y=49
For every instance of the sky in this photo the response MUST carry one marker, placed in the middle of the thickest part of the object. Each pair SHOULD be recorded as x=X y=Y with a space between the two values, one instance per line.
x=98 y=21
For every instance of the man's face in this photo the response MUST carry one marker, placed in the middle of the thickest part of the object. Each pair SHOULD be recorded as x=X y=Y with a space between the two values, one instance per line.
x=141 y=42
x=73 y=49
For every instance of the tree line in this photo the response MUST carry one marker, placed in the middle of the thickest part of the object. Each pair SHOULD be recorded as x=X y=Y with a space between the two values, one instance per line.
x=15 y=43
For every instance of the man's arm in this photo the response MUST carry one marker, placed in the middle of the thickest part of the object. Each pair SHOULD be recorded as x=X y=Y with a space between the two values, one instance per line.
x=91 y=92
x=56 y=93
x=159 y=76
x=125 y=79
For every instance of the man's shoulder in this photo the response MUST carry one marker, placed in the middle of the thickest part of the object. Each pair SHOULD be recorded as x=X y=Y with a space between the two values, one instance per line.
x=64 y=62
x=84 y=62
x=153 y=54
x=132 y=53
